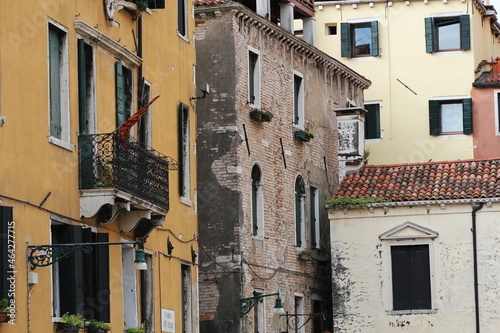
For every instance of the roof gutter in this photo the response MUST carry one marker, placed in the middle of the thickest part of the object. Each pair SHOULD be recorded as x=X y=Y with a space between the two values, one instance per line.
x=475 y=208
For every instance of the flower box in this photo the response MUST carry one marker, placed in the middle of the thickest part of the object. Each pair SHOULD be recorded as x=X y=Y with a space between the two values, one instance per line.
x=303 y=135
x=261 y=115
x=3 y=317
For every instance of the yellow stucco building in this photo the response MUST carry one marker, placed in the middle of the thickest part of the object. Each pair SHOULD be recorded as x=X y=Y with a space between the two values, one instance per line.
x=71 y=72
x=421 y=57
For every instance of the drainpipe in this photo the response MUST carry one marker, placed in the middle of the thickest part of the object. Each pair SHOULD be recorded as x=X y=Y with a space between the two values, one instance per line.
x=475 y=208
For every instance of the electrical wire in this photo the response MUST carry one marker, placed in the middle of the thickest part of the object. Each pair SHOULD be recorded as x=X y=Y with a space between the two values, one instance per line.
x=195 y=237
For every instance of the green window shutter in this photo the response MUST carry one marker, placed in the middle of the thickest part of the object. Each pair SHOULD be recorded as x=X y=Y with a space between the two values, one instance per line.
x=55 y=44
x=467 y=115
x=372 y=121
x=82 y=87
x=5 y=221
x=375 y=47
x=465 y=31
x=345 y=39
x=120 y=94
x=430 y=38
x=181 y=150
x=298 y=211
x=434 y=123
x=314 y=241
x=101 y=293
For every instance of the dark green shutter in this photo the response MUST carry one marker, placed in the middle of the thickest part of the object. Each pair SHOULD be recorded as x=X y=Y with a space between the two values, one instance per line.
x=467 y=115
x=434 y=122
x=82 y=88
x=101 y=294
x=298 y=211
x=465 y=31
x=255 y=188
x=314 y=241
x=55 y=44
x=372 y=121
x=181 y=17
x=121 y=115
x=430 y=38
x=5 y=220
x=345 y=39
x=375 y=47
x=181 y=149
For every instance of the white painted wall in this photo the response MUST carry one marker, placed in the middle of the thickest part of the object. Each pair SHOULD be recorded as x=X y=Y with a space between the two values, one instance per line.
x=361 y=268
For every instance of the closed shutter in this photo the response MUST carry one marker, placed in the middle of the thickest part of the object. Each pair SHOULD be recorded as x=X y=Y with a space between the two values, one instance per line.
x=314 y=241
x=55 y=44
x=430 y=38
x=121 y=115
x=465 y=32
x=181 y=150
x=434 y=123
x=101 y=284
x=420 y=277
x=467 y=115
x=372 y=121
x=5 y=220
x=375 y=47
x=345 y=40
x=401 y=278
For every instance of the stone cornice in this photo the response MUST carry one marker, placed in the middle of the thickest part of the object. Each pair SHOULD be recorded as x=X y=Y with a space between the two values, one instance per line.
x=116 y=49
x=251 y=18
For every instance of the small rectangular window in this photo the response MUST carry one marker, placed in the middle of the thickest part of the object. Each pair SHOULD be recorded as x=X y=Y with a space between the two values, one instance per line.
x=359 y=39
x=411 y=281
x=298 y=100
x=372 y=121
x=182 y=17
x=253 y=79
x=331 y=30
x=450 y=116
x=449 y=33
x=184 y=153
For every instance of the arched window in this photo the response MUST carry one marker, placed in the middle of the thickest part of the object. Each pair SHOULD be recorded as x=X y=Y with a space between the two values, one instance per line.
x=257 y=216
x=300 y=193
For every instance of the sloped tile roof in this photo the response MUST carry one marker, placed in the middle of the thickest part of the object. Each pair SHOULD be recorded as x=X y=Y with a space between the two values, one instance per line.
x=425 y=181
x=210 y=2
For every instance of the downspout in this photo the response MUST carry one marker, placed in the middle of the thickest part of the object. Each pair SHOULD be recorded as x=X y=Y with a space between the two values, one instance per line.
x=474 y=250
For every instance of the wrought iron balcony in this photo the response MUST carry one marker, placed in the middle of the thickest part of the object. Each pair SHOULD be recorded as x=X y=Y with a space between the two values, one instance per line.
x=137 y=170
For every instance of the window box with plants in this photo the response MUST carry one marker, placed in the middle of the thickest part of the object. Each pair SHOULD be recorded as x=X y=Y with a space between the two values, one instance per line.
x=303 y=135
x=69 y=323
x=95 y=326
x=306 y=254
x=4 y=303
x=261 y=114
x=135 y=330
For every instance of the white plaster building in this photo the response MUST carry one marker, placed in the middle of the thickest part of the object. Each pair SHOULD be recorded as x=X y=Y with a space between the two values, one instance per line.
x=425 y=261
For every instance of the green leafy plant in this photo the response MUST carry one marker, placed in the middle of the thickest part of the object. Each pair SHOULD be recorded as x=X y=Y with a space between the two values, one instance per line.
x=4 y=303
x=99 y=324
x=366 y=154
x=73 y=320
x=261 y=114
x=348 y=202
x=303 y=135
x=135 y=330
x=141 y=4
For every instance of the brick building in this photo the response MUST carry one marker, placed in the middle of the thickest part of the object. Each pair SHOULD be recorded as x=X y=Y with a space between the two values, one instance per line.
x=262 y=184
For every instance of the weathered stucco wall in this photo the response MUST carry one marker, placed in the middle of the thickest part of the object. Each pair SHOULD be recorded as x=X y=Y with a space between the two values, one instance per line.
x=361 y=268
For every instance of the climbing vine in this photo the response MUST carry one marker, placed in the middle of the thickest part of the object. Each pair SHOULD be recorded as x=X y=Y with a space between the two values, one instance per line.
x=348 y=202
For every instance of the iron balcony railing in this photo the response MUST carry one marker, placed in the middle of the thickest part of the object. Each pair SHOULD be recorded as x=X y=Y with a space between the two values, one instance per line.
x=138 y=170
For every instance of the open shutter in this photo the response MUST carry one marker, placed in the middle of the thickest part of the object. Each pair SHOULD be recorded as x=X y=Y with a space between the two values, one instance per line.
x=82 y=88
x=181 y=150
x=120 y=94
x=372 y=121
x=401 y=278
x=299 y=191
x=5 y=221
x=434 y=124
x=465 y=32
x=430 y=38
x=375 y=48
x=345 y=39
x=55 y=41
x=314 y=241
x=467 y=115
x=101 y=284
x=420 y=277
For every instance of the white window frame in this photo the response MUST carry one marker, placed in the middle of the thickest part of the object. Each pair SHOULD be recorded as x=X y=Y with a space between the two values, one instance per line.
x=380 y=108
x=496 y=95
x=298 y=101
x=259 y=204
x=299 y=310
x=450 y=98
x=256 y=103
x=260 y=311
x=65 y=140
x=186 y=166
x=390 y=239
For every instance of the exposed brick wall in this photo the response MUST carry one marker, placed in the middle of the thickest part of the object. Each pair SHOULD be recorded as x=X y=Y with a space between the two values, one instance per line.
x=269 y=263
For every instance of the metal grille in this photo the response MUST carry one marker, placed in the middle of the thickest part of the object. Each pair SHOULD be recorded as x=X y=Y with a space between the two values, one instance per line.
x=137 y=170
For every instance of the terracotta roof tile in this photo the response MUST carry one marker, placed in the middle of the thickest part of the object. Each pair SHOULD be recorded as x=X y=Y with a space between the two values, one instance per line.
x=425 y=181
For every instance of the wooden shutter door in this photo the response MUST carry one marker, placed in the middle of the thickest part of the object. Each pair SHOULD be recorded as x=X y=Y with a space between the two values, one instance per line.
x=465 y=32
x=467 y=115
x=345 y=39
x=375 y=48
x=420 y=277
x=430 y=38
x=401 y=278
x=121 y=115
x=434 y=122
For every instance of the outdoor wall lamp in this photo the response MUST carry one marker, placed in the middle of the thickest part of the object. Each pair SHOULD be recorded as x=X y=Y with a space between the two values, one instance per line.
x=205 y=89
x=246 y=304
x=46 y=255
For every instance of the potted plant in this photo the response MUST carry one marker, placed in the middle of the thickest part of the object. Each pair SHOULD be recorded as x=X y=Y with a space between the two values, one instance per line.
x=4 y=303
x=261 y=114
x=95 y=326
x=303 y=135
x=135 y=330
x=70 y=323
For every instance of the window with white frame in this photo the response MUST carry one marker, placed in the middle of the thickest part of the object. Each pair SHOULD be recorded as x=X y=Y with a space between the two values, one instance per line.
x=450 y=116
x=257 y=202
x=187 y=304
x=182 y=18
x=184 y=144
x=253 y=77
x=447 y=32
x=300 y=194
x=359 y=39
x=411 y=269
x=372 y=121
x=59 y=113
x=298 y=100
x=314 y=209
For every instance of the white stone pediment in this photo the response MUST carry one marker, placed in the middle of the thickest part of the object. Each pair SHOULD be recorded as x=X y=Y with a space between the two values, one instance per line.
x=408 y=230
